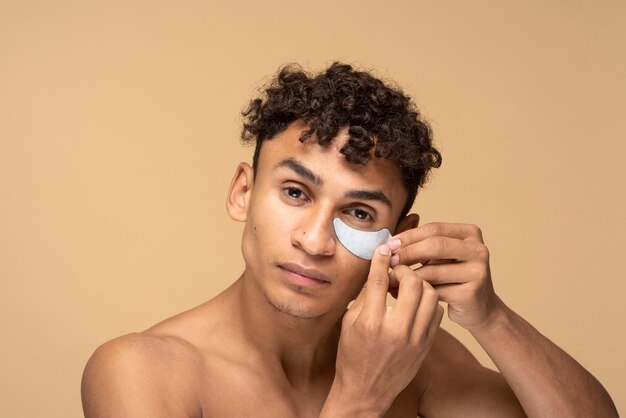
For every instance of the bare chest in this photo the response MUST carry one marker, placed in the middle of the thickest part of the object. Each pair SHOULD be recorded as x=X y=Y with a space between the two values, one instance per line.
x=245 y=394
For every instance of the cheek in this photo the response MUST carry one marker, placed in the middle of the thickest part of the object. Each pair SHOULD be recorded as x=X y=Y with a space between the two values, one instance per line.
x=258 y=245
x=265 y=230
x=248 y=243
x=355 y=273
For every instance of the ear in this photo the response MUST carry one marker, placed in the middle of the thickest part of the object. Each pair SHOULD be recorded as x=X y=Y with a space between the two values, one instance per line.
x=408 y=222
x=239 y=193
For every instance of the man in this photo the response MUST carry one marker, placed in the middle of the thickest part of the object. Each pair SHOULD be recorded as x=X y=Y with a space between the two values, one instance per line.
x=339 y=159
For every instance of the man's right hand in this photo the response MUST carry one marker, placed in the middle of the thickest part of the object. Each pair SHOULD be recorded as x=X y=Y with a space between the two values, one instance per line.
x=382 y=347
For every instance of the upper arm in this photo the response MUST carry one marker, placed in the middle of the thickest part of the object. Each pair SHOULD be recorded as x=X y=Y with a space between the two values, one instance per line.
x=458 y=385
x=133 y=376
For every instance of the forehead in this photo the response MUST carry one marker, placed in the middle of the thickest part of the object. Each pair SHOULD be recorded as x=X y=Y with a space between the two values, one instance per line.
x=330 y=165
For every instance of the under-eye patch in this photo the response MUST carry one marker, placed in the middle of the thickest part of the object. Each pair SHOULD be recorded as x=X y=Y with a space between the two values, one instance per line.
x=360 y=243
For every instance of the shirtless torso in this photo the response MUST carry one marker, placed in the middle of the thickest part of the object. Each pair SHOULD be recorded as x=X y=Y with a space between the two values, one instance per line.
x=200 y=364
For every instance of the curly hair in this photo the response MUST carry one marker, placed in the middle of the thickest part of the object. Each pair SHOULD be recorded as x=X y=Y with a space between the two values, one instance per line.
x=378 y=117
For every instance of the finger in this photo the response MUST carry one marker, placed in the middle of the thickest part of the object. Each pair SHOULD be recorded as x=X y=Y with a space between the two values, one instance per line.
x=441 y=248
x=378 y=282
x=409 y=295
x=452 y=273
x=434 y=324
x=451 y=230
x=393 y=280
x=449 y=293
x=394 y=285
x=455 y=273
x=442 y=261
x=425 y=312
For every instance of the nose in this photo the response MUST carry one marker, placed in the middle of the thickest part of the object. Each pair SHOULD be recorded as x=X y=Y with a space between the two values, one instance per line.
x=315 y=234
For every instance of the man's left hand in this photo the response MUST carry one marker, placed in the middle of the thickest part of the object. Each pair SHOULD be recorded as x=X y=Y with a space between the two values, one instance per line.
x=455 y=261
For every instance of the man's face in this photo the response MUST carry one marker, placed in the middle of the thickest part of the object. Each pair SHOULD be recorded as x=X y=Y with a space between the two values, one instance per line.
x=289 y=244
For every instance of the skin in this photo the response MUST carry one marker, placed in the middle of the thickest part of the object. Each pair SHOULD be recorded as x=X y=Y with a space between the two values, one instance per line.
x=281 y=344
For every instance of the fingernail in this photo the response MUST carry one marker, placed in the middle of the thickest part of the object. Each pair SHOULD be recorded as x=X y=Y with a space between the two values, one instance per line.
x=394 y=244
x=395 y=260
x=384 y=250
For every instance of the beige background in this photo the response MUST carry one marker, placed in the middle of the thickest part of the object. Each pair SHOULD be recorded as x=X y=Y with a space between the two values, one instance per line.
x=119 y=128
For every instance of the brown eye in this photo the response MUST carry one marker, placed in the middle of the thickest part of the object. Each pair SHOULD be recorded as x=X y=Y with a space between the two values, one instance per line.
x=361 y=214
x=294 y=193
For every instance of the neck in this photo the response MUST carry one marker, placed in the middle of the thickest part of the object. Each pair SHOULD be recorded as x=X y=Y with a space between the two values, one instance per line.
x=304 y=348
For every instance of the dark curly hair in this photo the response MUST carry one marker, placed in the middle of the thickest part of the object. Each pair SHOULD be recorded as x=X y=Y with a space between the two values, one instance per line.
x=378 y=117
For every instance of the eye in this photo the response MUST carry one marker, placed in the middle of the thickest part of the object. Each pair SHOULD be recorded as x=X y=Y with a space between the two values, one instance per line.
x=295 y=193
x=361 y=214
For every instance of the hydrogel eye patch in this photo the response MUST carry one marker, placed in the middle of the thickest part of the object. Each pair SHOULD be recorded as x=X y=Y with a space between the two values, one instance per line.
x=360 y=243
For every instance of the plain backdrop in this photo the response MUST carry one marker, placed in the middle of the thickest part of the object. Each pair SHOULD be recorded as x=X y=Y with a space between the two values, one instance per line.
x=119 y=127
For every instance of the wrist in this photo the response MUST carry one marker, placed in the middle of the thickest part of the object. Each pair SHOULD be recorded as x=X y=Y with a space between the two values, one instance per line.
x=344 y=401
x=498 y=318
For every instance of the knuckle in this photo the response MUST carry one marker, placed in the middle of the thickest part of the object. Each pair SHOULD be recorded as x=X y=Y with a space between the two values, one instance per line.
x=348 y=318
x=439 y=243
x=369 y=326
x=430 y=292
x=475 y=270
x=430 y=297
x=397 y=335
x=482 y=270
x=402 y=270
x=429 y=272
x=435 y=228
x=412 y=282
x=379 y=280
x=475 y=231
x=482 y=252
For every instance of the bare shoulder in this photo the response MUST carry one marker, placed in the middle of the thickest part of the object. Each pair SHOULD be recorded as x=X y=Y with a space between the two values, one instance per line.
x=141 y=374
x=456 y=384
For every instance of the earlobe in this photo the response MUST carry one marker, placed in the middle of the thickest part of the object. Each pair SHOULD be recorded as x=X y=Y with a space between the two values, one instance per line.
x=239 y=193
x=410 y=221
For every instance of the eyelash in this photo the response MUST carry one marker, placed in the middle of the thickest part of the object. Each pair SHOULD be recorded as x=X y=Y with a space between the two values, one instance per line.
x=288 y=190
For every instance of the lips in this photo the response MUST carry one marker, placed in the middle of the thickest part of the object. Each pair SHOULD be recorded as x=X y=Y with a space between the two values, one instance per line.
x=305 y=273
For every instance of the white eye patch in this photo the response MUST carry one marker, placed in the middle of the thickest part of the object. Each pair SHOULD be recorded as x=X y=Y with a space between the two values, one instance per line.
x=360 y=243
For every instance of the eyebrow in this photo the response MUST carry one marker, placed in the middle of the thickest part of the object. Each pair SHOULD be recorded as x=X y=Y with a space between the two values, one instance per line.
x=301 y=170
x=376 y=195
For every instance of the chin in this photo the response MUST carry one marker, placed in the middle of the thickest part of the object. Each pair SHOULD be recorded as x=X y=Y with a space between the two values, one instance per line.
x=297 y=305
x=299 y=312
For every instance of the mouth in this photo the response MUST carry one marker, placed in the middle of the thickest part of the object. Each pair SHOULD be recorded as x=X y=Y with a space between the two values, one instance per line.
x=303 y=276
